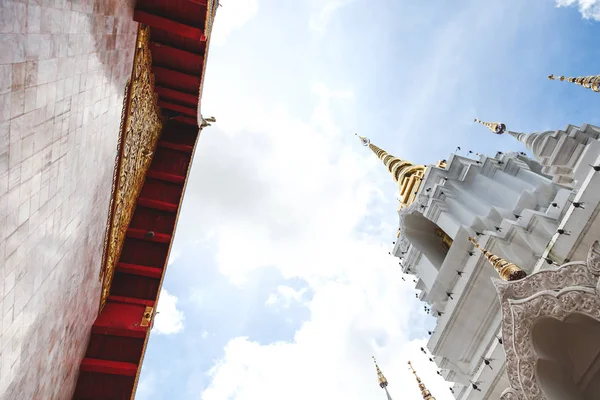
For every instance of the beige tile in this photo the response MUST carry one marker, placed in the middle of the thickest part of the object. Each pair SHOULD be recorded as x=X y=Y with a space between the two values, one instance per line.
x=47 y=70
x=20 y=20
x=7 y=17
x=4 y=138
x=41 y=96
x=30 y=99
x=18 y=76
x=27 y=146
x=5 y=106
x=5 y=78
x=37 y=46
x=51 y=21
x=17 y=103
x=34 y=15
x=31 y=73
x=13 y=48
x=14 y=179
x=24 y=212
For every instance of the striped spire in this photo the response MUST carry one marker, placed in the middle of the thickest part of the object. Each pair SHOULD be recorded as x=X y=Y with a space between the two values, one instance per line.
x=506 y=270
x=424 y=392
x=383 y=383
x=589 y=82
x=497 y=127
x=407 y=175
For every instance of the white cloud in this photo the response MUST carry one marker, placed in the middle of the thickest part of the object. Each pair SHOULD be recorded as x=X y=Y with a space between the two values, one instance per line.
x=330 y=355
x=589 y=9
x=147 y=386
x=325 y=9
x=291 y=193
x=232 y=16
x=282 y=186
x=287 y=185
x=169 y=319
x=285 y=296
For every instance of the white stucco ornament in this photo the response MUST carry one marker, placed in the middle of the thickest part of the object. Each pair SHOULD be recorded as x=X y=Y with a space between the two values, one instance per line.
x=550 y=294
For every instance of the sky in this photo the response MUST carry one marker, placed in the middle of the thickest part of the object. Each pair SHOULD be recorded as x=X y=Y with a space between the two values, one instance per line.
x=279 y=282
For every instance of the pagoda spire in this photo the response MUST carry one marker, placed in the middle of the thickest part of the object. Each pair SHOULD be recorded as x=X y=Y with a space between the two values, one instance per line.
x=407 y=175
x=499 y=128
x=424 y=392
x=589 y=82
x=506 y=270
x=383 y=383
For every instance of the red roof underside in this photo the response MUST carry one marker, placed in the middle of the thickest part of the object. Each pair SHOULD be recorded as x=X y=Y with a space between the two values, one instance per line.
x=116 y=346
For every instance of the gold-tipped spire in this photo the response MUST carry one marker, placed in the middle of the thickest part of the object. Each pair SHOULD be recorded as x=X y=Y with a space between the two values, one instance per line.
x=507 y=270
x=382 y=381
x=589 y=82
x=407 y=175
x=424 y=392
x=497 y=127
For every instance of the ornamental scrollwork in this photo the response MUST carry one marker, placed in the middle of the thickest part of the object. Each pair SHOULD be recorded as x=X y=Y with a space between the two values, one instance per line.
x=555 y=293
x=141 y=126
x=510 y=394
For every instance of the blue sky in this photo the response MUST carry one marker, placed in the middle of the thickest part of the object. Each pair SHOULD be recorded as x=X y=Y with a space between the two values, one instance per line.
x=279 y=282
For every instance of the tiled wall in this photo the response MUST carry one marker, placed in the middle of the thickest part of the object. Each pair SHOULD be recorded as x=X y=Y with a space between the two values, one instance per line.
x=63 y=68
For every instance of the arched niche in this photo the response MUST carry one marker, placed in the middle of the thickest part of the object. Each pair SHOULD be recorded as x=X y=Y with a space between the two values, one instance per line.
x=427 y=237
x=551 y=332
x=569 y=357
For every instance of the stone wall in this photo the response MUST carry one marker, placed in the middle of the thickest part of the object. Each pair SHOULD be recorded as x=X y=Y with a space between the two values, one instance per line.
x=63 y=68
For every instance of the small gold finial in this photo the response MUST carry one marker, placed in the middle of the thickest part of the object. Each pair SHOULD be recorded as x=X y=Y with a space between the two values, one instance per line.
x=506 y=270
x=588 y=82
x=382 y=381
x=497 y=127
x=424 y=392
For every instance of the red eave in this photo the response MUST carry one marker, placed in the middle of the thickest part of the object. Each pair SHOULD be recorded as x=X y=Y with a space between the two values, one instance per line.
x=119 y=335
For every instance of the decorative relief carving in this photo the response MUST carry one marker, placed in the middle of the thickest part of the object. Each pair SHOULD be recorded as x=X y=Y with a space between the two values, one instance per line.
x=510 y=394
x=141 y=126
x=557 y=294
x=210 y=16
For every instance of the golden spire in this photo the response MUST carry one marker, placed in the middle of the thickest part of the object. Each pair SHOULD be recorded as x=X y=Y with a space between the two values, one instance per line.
x=424 y=392
x=382 y=381
x=407 y=175
x=497 y=127
x=507 y=271
x=589 y=82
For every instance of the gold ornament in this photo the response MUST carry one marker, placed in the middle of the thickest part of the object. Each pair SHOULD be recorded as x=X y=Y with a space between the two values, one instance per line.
x=424 y=392
x=141 y=126
x=407 y=175
x=589 y=82
x=506 y=270
x=497 y=127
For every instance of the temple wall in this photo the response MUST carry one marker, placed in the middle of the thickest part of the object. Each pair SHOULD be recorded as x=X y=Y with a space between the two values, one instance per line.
x=63 y=68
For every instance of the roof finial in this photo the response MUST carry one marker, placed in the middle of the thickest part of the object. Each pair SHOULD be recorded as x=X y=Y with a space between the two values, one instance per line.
x=507 y=271
x=589 y=82
x=497 y=127
x=364 y=140
x=382 y=381
x=424 y=392
x=407 y=175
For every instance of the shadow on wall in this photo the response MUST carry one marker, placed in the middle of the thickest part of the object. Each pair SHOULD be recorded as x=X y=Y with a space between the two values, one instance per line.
x=427 y=237
x=569 y=350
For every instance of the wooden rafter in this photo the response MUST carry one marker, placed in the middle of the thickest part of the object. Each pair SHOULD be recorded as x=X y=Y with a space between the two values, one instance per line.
x=156 y=21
